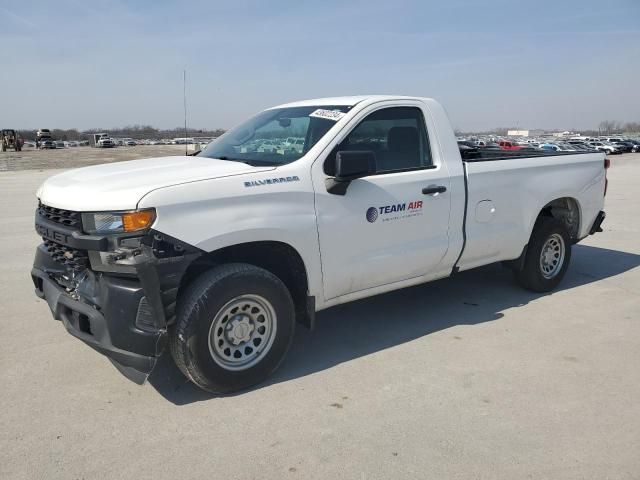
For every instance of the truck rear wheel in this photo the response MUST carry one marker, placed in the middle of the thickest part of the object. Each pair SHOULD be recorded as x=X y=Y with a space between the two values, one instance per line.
x=547 y=256
x=234 y=326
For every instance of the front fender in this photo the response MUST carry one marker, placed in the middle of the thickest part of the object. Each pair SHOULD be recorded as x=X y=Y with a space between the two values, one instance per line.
x=216 y=214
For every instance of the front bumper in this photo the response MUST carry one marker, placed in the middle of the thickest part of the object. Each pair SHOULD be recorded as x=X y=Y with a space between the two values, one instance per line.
x=108 y=323
x=109 y=330
x=124 y=317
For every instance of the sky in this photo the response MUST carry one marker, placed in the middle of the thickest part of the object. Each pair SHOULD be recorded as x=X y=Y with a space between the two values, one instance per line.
x=553 y=64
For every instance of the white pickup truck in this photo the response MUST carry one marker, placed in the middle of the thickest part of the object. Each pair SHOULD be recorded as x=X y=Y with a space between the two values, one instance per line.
x=217 y=256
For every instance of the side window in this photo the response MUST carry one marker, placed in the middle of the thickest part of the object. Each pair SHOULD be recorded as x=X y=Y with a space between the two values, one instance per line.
x=397 y=136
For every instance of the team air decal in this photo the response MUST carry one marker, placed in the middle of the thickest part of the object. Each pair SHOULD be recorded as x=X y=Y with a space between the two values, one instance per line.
x=271 y=181
x=397 y=211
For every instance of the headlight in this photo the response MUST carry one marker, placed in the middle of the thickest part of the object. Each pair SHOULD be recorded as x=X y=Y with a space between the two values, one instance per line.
x=118 y=222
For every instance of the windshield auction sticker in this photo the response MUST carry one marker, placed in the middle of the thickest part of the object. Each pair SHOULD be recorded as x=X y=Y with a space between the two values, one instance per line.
x=333 y=115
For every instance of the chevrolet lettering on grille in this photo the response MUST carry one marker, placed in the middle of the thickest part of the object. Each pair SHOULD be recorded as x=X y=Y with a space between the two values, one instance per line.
x=51 y=234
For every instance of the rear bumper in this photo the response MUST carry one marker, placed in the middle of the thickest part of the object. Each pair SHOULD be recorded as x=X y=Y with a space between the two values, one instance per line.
x=597 y=224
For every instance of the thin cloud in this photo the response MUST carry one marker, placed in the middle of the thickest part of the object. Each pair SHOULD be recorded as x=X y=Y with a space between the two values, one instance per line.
x=17 y=19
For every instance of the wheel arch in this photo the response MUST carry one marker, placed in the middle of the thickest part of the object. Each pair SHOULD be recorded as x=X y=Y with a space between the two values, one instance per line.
x=567 y=210
x=278 y=258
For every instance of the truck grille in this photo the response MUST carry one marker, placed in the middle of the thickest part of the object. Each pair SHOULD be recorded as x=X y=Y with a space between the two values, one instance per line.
x=74 y=259
x=63 y=217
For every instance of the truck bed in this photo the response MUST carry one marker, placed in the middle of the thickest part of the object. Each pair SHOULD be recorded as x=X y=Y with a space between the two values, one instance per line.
x=504 y=198
x=483 y=155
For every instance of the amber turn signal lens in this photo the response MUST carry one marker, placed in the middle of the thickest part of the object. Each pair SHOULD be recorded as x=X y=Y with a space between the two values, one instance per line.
x=134 y=221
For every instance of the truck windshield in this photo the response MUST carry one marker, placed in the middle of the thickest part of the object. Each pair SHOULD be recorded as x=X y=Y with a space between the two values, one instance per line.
x=275 y=137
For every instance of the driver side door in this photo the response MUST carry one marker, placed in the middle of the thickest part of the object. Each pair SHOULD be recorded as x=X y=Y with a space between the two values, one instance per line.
x=384 y=229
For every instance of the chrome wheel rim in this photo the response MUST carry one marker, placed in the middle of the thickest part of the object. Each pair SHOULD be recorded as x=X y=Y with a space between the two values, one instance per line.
x=242 y=332
x=552 y=256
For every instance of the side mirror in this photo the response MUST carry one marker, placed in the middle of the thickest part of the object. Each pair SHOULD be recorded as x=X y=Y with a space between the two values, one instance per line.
x=351 y=165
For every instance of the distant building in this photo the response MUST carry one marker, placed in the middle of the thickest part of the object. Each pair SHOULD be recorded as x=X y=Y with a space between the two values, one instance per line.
x=563 y=134
x=524 y=133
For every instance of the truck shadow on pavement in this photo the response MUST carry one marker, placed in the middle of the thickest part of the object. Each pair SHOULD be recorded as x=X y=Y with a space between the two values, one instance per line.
x=360 y=328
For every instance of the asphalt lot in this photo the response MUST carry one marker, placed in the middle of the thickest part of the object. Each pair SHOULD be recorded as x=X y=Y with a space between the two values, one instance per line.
x=469 y=377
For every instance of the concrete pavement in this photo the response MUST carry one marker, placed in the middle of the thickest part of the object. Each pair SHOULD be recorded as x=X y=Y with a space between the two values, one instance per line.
x=468 y=377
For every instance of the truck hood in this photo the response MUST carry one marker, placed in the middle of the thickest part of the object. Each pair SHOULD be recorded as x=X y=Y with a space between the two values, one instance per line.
x=121 y=185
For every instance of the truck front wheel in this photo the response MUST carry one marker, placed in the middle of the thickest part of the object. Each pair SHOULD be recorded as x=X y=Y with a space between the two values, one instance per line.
x=547 y=256
x=234 y=326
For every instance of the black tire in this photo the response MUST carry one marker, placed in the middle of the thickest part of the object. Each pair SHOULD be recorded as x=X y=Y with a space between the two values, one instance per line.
x=532 y=276
x=199 y=306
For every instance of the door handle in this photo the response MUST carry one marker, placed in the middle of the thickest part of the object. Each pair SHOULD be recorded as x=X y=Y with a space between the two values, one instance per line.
x=434 y=189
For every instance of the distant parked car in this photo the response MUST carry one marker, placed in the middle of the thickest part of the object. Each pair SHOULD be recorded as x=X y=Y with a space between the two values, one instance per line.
x=130 y=143
x=618 y=148
x=625 y=147
x=507 y=145
x=602 y=147
x=47 y=144
x=567 y=147
x=105 y=143
x=529 y=148
x=298 y=145
x=268 y=146
x=550 y=146
x=582 y=147
x=636 y=145
x=559 y=147
x=43 y=133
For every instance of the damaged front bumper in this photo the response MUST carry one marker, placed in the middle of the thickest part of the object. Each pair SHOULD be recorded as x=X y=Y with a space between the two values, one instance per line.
x=124 y=316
